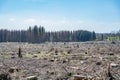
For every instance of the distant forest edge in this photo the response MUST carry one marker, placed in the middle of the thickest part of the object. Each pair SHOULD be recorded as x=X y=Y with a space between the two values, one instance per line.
x=37 y=34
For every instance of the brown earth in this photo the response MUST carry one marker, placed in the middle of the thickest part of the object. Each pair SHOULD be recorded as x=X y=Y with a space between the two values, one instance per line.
x=61 y=61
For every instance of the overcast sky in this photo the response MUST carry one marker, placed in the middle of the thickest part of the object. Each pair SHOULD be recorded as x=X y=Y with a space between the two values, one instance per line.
x=98 y=15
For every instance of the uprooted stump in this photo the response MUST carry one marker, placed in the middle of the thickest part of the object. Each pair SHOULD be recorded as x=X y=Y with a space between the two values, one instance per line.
x=5 y=76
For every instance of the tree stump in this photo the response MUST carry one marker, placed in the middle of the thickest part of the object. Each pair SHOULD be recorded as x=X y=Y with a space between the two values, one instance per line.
x=19 y=53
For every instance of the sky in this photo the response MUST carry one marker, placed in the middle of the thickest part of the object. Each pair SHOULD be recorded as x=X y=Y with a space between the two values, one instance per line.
x=101 y=16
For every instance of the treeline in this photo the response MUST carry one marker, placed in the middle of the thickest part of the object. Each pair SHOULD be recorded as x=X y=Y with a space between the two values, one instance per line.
x=38 y=35
x=113 y=36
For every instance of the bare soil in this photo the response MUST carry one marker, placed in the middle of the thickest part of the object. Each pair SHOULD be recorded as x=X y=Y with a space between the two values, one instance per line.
x=61 y=61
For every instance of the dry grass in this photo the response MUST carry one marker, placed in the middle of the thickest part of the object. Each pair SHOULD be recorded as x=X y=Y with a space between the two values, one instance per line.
x=59 y=61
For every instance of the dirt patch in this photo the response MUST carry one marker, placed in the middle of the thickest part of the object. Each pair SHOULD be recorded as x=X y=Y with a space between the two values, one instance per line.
x=61 y=61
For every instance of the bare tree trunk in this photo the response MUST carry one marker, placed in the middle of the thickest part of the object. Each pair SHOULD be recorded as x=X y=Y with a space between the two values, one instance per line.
x=19 y=53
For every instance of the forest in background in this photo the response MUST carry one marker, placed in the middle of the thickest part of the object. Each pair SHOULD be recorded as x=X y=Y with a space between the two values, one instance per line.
x=112 y=36
x=37 y=34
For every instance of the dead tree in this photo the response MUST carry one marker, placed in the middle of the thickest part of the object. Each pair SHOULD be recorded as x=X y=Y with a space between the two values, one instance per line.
x=19 y=53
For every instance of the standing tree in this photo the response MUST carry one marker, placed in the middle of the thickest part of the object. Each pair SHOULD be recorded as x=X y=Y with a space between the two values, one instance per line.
x=93 y=36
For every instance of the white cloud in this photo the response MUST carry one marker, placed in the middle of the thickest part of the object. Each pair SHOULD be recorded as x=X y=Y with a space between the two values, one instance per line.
x=12 y=19
x=64 y=21
x=80 y=21
x=31 y=20
x=45 y=21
